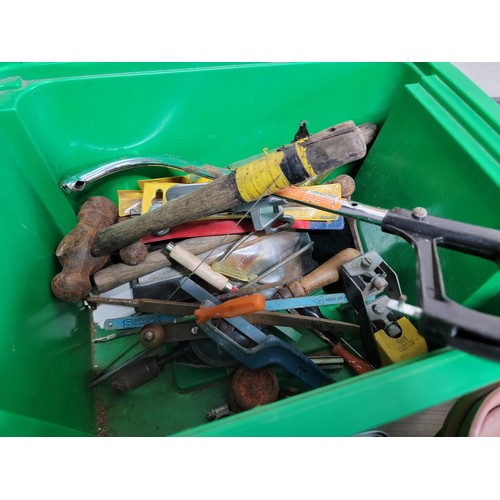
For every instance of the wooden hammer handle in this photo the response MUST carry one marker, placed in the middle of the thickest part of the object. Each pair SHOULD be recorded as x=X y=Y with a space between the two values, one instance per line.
x=118 y=274
x=290 y=164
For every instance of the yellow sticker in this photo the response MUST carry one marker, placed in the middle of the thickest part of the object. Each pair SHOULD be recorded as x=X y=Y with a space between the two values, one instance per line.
x=179 y=179
x=323 y=196
x=301 y=212
x=407 y=346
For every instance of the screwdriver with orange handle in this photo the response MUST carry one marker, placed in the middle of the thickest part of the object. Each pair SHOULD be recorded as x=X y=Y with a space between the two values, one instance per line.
x=357 y=364
x=230 y=309
x=153 y=334
x=323 y=275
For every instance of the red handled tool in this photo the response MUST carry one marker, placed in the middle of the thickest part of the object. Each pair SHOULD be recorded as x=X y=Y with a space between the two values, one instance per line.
x=357 y=364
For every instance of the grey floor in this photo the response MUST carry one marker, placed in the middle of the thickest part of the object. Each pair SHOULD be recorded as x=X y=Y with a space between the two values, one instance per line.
x=423 y=424
x=485 y=75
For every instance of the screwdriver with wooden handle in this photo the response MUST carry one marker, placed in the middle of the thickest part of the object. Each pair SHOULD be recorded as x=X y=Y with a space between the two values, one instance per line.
x=326 y=274
x=323 y=275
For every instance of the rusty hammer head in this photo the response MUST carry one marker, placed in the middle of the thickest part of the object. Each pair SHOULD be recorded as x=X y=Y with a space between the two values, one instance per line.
x=73 y=282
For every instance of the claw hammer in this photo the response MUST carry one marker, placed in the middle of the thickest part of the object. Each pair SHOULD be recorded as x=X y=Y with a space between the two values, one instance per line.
x=285 y=166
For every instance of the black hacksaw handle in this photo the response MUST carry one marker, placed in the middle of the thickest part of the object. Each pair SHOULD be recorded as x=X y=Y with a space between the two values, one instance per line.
x=461 y=327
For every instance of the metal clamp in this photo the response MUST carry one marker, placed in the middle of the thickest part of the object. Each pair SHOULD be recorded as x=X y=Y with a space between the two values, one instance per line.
x=270 y=350
x=267 y=212
x=364 y=278
x=440 y=318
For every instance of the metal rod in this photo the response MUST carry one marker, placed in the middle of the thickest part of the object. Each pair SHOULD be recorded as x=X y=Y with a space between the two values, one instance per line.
x=116 y=358
x=361 y=212
x=331 y=204
x=250 y=290
x=114 y=336
x=404 y=308
x=79 y=181
x=350 y=347
x=236 y=246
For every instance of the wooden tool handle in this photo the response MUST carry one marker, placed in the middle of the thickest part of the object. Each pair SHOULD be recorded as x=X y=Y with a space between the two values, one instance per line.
x=357 y=364
x=112 y=276
x=290 y=164
x=198 y=267
x=323 y=275
x=135 y=253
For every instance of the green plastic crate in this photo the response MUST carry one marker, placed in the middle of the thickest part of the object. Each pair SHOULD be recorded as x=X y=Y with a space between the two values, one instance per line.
x=438 y=148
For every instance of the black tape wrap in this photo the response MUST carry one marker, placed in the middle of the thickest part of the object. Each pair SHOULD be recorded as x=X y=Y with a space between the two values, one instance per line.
x=292 y=167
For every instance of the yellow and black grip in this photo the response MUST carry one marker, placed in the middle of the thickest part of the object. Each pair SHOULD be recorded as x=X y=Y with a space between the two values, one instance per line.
x=290 y=164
